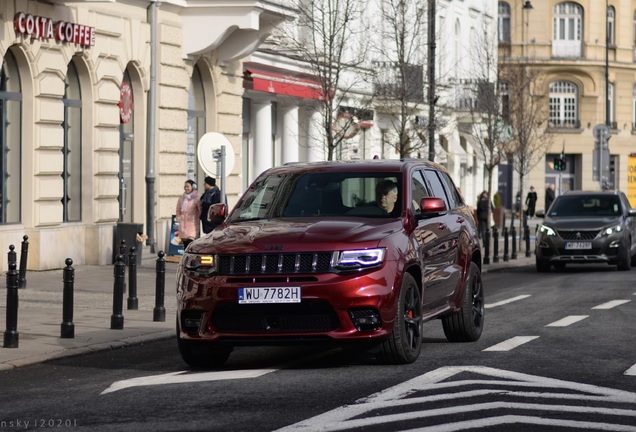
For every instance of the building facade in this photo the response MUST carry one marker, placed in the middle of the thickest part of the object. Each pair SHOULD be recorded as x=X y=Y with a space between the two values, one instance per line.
x=585 y=54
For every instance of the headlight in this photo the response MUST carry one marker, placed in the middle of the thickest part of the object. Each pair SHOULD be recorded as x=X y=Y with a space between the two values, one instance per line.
x=612 y=230
x=360 y=259
x=198 y=263
x=547 y=230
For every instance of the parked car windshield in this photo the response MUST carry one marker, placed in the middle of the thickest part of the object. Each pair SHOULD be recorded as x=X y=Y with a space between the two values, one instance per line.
x=586 y=205
x=298 y=195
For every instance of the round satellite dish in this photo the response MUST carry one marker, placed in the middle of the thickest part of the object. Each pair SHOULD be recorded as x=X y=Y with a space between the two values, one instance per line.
x=209 y=150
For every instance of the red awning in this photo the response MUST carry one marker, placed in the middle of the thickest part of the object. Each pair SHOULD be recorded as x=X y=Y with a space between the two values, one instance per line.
x=279 y=81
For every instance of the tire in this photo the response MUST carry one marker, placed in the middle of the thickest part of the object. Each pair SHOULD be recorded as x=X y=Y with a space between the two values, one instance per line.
x=468 y=324
x=560 y=266
x=542 y=266
x=405 y=343
x=625 y=260
x=200 y=355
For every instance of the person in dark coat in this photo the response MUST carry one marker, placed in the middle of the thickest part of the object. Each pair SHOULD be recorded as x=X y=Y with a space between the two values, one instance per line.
x=531 y=201
x=212 y=195
x=549 y=196
x=482 y=214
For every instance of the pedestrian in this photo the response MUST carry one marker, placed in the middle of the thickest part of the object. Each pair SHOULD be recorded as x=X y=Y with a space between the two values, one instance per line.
x=211 y=195
x=549 y=197
x=482 y=214
x=531 y=201
x=188 y=213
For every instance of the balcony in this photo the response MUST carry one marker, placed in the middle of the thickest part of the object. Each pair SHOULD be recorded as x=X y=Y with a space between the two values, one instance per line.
x=573 y=125
x=388 y=83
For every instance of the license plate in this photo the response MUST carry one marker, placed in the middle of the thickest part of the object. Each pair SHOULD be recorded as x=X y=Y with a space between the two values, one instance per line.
x=578 y=245
x=269 y=295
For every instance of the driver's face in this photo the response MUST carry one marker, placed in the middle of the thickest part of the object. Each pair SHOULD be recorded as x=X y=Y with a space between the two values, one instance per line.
x=388 y=200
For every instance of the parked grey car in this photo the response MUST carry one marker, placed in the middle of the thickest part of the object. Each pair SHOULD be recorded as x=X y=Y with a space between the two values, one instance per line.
x=587 y=227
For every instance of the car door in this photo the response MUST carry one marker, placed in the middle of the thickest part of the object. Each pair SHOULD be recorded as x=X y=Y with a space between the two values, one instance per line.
x=442 y=273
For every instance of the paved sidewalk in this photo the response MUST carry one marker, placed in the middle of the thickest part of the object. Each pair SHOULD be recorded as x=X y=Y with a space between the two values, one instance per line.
x=40 y=312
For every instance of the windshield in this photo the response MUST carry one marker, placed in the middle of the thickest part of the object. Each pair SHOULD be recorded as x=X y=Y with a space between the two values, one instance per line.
x=320 y=194
x=586 y=205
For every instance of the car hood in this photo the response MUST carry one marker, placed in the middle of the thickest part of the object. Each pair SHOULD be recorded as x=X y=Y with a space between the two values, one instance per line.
x=581 y=223
x=286 y=235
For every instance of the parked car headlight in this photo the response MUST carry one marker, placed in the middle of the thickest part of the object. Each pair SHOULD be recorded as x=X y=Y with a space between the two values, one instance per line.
x=547 y=230
x=360 y=259
x=612 y=230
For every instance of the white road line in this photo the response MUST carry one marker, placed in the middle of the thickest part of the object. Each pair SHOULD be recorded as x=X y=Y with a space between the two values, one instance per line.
x=511 y=343
x=611 y=304
x=510 y=300
x=631 y=371
x=564 y=322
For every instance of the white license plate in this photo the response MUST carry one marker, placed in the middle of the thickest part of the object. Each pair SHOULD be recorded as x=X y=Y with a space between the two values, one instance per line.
x=269 y=295
x=578 y=245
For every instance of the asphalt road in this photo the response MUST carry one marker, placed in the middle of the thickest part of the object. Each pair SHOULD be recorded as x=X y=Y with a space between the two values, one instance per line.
x=558 y=353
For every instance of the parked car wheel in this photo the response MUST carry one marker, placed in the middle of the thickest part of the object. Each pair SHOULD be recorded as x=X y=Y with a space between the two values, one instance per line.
x=542 y=266
x=405 y=343
x=625 y=260
x=202 y=355
x=467 y=325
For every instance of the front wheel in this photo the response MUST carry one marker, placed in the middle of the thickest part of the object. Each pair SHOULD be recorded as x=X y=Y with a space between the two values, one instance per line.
x=542 y=266
x=201 y=355
x=405 y=343
x=468 y=323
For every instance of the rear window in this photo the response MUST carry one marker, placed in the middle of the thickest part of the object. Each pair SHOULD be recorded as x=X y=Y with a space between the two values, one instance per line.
x=321 y=194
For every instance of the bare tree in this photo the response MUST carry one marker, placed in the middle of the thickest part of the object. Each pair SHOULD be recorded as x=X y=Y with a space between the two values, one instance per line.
x=527 y=114
x=482 y=98
x=328 y=36
x=399 y=72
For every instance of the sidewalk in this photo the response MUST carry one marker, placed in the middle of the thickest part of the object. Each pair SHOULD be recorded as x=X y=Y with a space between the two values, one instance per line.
x=40 y=312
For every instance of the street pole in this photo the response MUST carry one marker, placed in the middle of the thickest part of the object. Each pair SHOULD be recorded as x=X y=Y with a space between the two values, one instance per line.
x=431 y=80
x=607 y=41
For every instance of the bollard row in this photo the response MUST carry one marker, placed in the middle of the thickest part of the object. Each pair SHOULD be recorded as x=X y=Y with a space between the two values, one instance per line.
x=510 y=251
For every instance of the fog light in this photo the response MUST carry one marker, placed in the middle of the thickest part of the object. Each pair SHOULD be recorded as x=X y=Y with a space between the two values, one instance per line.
x=365 y=319
x=191 y=321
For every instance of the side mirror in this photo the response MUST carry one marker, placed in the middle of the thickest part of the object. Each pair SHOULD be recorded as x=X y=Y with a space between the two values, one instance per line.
x=540 y=213
x=430 y=207
x=217 y=213
x=631 y=212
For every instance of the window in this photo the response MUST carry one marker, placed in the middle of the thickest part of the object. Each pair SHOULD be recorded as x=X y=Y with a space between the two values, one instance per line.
x=438 y=189
x=72 y=148
x=610 y=103
x=563 y=105
x=567 y=30
x=419 y=190
x=503 y=25
x=458 y=48
x=11 y=154
x=611 y=26
x=504 y=95
x=634 y=107
x=196 y=124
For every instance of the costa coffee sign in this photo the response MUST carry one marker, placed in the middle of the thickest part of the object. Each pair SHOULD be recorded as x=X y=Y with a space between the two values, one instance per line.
x=45 y=28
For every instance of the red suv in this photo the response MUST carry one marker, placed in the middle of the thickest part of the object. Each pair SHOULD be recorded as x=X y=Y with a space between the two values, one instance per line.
x=355 y=252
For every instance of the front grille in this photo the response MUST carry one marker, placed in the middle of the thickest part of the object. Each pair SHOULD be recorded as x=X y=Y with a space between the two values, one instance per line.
x=308 y=316
x=252 y=264
x=578 y=235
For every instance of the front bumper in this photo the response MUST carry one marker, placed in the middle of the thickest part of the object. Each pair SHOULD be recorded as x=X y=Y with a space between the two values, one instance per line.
x=605 y=249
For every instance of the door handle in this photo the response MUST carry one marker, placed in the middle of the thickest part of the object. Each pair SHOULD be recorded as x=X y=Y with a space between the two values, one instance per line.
x=460 y=219
x=441 y=226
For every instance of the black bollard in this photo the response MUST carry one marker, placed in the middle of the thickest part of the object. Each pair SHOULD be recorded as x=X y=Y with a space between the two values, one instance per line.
x=506 y=248
x=24 y=252
x=133 y=302
x=495 y=245
x=12 y=257
x=117 y=318
x=514 y=243
x=487 y=247
x=11 y=335
x=122 y=252
x=67 y=328
x=526 y=231
x=159 y=312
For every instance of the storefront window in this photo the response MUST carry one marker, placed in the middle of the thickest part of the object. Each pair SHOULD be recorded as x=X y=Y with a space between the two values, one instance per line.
x=11 y=155
x=72 y=149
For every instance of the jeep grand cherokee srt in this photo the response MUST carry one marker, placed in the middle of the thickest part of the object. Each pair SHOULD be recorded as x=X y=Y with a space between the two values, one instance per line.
x=348 y=253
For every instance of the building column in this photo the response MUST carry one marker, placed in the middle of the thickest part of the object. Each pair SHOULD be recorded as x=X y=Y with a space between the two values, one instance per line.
x=262 y=131
x=315 y=138
x=290 y=146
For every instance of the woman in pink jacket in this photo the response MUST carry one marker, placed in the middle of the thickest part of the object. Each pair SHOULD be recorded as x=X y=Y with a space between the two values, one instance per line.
x=188 y=212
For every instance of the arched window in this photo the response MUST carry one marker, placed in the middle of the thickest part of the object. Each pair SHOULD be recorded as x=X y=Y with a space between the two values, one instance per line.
x=72 y=148
x=567 y=30
x=564 y=105
x=458 y=48
x=196 y=124
x=11 y=154
x=503 y=26
x=610 y=103
x=611 y=25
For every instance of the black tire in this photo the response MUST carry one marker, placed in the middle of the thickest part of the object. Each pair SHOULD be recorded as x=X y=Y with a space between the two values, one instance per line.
x=468 y=323
x=542 y=266
x=405 y=343
x=625 y=260
x=202 y=355
x=560 y=266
